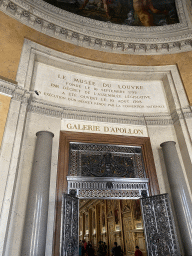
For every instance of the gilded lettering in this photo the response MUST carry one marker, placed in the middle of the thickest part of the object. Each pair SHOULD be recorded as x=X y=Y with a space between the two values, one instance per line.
x=106 y=129
x=69 y=126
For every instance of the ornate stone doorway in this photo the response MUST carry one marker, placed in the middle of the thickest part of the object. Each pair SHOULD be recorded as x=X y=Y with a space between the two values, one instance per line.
x=115 y=171
x=134 y=152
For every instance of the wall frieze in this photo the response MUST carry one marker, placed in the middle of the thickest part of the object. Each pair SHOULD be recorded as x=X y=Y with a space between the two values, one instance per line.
x=46 y=108
x=187 y=112
x=79 y=114
x=44 y=111
x=86 y=32
x=14 y=91
x=184 y=113
x=6 y=90
x=160 y=119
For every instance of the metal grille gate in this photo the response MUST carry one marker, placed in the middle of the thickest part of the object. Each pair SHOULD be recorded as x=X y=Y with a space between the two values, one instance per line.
x=84 y=181
x=160 y=233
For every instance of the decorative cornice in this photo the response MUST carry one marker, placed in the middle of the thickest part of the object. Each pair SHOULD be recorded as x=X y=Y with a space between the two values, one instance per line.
x=57 y=111
x=14 y=91
x=159 y=119
x=45 y=109
x=184 y=113
x=79 y=114
x=103 y=36
x=7 y=87
x=187 y=112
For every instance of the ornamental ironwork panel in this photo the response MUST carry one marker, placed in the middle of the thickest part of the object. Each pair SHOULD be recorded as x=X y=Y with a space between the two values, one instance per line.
x=109 y=194
x=160 y=232
x=69 y=226
x=106 y=187
x=99 y=160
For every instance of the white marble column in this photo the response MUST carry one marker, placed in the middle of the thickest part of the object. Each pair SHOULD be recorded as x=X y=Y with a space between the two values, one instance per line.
x=180 y=194
x=34 y=234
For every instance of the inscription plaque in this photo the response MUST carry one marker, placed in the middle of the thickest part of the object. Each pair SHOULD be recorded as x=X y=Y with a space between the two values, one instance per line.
x=76 y=90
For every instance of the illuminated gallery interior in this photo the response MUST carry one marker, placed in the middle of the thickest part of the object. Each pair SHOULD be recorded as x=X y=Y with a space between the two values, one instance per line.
x=95 y=127
x=112 y=220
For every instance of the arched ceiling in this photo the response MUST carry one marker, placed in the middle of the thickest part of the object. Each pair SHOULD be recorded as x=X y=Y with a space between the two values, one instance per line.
x=111 y=34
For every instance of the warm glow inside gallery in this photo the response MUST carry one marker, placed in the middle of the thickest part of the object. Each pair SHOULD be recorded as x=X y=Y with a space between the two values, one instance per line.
x=95 y=128
x=110 y=221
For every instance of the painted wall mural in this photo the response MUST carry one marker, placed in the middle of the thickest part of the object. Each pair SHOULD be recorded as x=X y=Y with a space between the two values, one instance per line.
x=126 y=12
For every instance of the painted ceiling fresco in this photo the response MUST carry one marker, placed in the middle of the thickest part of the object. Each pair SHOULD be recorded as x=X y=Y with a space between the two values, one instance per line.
x=127 y=12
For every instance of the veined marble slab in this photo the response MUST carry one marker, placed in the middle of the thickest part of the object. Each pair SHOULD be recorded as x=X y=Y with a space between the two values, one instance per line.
x=76 y=90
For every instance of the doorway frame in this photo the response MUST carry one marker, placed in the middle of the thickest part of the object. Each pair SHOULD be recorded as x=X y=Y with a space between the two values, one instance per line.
x=63 y=162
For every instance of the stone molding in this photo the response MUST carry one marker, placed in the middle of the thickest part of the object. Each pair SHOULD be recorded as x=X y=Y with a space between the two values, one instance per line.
x=32 y=53
x=14 y=91
x=44 y=108
x=86 y=32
